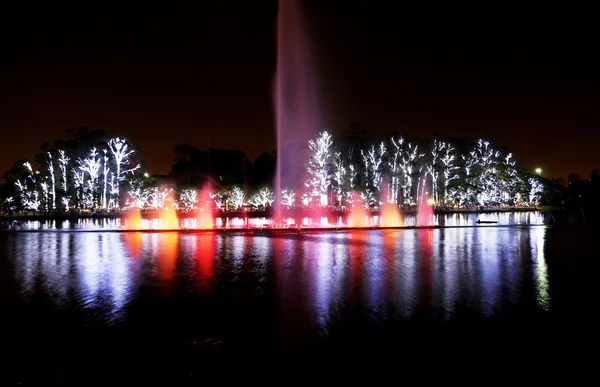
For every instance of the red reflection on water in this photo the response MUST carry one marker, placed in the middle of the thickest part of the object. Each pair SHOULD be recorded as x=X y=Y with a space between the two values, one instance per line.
x=205 y=259
x=133 y=242
x=168 y=247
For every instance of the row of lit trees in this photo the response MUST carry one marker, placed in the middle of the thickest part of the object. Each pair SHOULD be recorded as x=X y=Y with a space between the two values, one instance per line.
x=338 y=174
x=399 y=172
x=71 y=178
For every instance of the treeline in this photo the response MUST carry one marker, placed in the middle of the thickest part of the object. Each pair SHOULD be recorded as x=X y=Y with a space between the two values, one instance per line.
x=92 y=169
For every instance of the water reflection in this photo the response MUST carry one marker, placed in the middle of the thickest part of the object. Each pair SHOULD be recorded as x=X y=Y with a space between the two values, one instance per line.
x=537 y=238
x=408 y=219
x=313 y=281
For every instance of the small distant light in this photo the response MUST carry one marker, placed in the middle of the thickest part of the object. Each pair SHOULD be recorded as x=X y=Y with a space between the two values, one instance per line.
x=146 y=174
x=538 y=171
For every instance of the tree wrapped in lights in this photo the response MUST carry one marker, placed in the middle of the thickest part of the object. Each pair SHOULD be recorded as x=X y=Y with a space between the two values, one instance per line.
x=288 y=198
x=160 y=197
x=373 y=166
x=408 y=157
x=237 y=197
x=339 y=174
x=263 y=198
x=90 y=165
x=535 y=191
x=52 y=180
x=432 y=167
x=219 y=198
x=122 y=155
x=188 y=198
x=318 y=169
x=139 y=193
x=27 y=188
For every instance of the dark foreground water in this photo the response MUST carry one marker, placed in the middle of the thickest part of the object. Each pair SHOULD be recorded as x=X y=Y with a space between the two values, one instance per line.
x=99 y=306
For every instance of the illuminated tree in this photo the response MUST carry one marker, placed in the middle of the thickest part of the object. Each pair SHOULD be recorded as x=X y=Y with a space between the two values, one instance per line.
x=91 y=166
x=409 y=155
x=139 y=193
x=318 y=168
x=339 y=173
x=188 y=198
x=288 y=198
x=219 y=198
x=237 y=197
x=536 y=190
x=28 y=189
x=122 y=154
x=449 y=168
x=52 y=180
x=432 y=167
x=63 y=164
x=264 y=197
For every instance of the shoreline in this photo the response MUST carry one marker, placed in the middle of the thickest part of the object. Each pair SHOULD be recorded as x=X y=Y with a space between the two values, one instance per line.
x=263 y=214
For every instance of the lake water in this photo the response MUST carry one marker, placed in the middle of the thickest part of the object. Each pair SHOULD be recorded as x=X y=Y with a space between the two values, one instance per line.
x=74 y=301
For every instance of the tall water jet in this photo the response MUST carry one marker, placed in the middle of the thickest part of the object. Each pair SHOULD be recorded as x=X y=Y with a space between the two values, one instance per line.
x=296 y=105
x=424 y=207
x=204 y=214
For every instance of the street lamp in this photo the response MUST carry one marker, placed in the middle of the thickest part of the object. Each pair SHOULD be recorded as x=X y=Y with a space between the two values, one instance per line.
x=538 y=171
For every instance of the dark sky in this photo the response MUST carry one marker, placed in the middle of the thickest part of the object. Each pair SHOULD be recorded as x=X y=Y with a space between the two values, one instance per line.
x=169 y=73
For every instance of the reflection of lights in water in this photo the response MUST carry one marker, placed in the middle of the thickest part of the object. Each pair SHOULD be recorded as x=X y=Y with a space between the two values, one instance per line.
x=133 y=242
x=168 y=248
x=238 y=248
x=374 y=266
x=405 y=274
x=115 y=265
x=205 y=258
x=537 y=236
x=449 y=262
x=323 y=278
x=489 y=265
x=90 y=267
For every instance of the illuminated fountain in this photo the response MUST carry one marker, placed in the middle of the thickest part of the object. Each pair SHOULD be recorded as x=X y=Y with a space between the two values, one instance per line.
x=424 y=208
x=133 y=219
x=358 y=213
x=389 y=216
x=168 y=217
x=296 y=102
x=204 y=216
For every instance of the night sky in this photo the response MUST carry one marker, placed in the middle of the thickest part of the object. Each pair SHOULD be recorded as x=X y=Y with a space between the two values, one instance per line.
x=169 y=73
